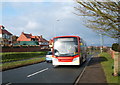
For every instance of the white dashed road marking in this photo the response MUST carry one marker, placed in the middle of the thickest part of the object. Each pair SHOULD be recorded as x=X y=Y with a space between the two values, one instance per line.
x=37 y=72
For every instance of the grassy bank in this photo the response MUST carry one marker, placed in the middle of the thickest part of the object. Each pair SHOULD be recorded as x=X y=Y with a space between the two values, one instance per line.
x=107 y=66
x=6 y=66
x=14 y=56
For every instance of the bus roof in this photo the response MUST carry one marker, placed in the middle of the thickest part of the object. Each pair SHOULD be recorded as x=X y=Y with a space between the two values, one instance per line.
x=66 y=36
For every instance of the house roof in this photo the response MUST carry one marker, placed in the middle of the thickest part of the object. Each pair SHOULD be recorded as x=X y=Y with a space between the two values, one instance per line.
x=4 y=31
x=43 y=40
x=1 y=26
x=33 y=36
x=39 y=38
x=28 y=35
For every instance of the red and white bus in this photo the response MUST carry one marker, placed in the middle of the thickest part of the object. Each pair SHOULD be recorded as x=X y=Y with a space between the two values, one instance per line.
x=68 y=50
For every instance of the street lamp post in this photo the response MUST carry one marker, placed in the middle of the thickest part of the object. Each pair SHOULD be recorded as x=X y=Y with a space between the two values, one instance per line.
x=101 y=41
x=55 y=27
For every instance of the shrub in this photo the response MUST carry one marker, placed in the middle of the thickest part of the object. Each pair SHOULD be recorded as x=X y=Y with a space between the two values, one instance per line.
x=13 y=56
x=105 y=49
x=16 y=46
x=6 y=47
x=116 y=47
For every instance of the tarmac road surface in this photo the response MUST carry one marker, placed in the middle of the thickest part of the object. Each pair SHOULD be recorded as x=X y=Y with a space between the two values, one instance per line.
x=42 y=73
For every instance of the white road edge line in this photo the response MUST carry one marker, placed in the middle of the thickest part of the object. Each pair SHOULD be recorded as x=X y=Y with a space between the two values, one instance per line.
x=82 y=72
x=37 y=72
x=8 y=83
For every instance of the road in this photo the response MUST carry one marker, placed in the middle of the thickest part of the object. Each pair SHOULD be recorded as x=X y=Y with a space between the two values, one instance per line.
x=43 y=73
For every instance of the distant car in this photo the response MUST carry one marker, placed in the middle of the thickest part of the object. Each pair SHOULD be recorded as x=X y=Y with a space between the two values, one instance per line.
x=49 y=57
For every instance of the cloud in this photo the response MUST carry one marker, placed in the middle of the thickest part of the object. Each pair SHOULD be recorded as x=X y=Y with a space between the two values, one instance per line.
x=41 y=19
x=32 y=25
x=0 y=13
x=58 y=0
x=37 y=0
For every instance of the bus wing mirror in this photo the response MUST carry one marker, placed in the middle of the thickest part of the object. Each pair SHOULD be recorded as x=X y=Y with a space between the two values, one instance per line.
x=81 y=43
x=51 y=45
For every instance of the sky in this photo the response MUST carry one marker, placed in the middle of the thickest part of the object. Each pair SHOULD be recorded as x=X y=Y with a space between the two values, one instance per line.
x=48 y=19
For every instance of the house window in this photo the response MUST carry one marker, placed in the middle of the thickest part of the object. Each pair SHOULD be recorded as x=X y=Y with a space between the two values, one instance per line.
x=8 y=36
x=40 y=43
x=3 y=36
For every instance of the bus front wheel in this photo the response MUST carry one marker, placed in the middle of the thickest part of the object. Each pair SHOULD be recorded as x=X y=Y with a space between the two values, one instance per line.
x=81 y=60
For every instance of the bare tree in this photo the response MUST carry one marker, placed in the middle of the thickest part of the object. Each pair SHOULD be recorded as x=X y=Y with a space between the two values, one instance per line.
x=103 y=17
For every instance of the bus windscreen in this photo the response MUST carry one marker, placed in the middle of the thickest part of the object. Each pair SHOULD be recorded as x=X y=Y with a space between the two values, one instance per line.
x=66 y=46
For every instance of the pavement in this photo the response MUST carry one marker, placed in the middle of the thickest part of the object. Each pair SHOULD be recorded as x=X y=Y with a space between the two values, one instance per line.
x=93 y=73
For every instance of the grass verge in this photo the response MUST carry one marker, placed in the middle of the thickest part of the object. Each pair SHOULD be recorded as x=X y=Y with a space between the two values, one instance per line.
x=6 y=66
x=14 y=56
x=107 y=66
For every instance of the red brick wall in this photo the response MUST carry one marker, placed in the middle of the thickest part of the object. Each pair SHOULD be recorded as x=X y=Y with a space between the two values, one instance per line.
x=111 y=53
x=23 y=49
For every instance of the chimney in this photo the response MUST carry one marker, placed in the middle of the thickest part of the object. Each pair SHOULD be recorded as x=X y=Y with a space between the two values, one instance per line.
x=22 y=32
x=31 y=34
x=2 y=27
x=41 y=36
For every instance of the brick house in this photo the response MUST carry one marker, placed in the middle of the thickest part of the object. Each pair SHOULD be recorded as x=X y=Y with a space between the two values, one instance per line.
x=14 y=39
x=28 y=39
x=5 y=36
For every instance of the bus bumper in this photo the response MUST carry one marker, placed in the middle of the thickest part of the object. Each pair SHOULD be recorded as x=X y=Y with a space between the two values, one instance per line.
x=76 y=61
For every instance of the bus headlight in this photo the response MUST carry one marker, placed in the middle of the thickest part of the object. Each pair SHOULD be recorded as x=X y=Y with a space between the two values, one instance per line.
x=76 y=59
x=54 y=59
